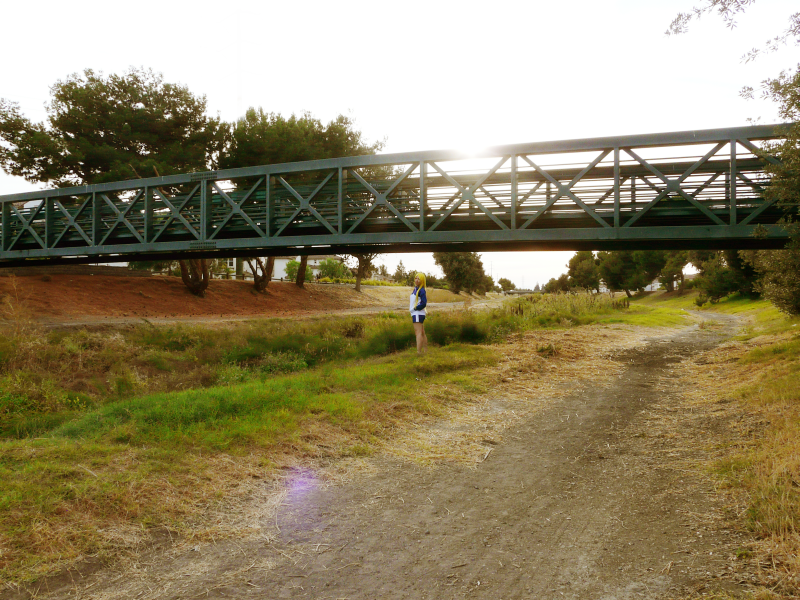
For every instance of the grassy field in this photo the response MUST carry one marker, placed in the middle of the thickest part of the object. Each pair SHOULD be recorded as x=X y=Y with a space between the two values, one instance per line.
x=105 y=434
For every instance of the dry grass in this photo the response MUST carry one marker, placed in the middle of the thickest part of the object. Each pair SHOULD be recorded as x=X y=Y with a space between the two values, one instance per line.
x=753 y=385
x=390 y=295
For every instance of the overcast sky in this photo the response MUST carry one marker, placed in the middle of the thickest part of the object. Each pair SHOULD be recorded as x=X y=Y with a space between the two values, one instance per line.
x=421 y=75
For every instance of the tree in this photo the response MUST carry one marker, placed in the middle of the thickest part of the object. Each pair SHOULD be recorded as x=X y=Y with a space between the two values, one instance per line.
x=400 y=274
x=101 y=129
x=463 y=271
x=555 y=286
x=261 y=138
x=293 y=268
x=672 y=272
x=506 y=284
x=617 y=270
x=432 y=281
x=628 y=270
x=262 y=273
x=745 y=273
x=722 y=273
x=195 y=276
x=583 y=271
x=779 y=271
x=649 y=264
x=363 y=266
x=333 y=268
x=487 y=285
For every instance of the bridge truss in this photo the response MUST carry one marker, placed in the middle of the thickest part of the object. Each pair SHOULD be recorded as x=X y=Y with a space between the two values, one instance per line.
x=695 y=189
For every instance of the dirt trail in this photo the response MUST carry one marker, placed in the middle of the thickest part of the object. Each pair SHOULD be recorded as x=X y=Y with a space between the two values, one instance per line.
x=579 y=502
x=591 y=497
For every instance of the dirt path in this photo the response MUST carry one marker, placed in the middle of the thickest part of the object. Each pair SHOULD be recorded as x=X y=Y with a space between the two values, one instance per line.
x=577 y=503
x=590 y=497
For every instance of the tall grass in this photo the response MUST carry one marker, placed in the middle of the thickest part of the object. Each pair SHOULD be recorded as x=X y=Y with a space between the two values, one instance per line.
x=153 y=459
x=48 y=378
x=770 y=470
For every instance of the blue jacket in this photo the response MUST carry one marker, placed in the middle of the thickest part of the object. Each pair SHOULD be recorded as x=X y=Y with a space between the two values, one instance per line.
x=422 y=300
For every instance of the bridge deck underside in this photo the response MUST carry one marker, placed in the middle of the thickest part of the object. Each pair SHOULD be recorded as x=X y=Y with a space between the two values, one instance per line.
x=682 y=194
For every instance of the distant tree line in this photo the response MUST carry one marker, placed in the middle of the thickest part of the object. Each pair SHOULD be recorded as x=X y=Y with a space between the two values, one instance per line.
x=773 y=274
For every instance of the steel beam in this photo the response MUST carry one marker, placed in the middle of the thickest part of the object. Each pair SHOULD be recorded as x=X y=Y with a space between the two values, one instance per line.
x=685 y=190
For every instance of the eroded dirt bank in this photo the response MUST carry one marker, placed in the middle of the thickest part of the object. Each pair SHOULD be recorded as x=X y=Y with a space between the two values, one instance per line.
x=590 y=496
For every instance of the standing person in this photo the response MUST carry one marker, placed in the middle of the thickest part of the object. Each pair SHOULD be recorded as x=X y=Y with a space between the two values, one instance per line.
x=418 y=301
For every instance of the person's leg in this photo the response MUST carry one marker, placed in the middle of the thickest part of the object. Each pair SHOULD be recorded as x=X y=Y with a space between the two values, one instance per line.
x=419 y=332
x=424 y=339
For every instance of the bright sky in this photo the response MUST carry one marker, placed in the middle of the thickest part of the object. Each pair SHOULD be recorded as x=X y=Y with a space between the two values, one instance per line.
x=423 y=75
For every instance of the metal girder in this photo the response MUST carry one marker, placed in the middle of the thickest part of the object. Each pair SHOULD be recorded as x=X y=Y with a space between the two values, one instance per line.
x=701 y=189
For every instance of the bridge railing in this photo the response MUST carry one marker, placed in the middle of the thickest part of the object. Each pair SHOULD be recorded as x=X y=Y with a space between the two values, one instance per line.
x=687 y=189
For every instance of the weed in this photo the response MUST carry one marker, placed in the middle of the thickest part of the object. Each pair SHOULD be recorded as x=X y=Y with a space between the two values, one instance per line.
x=548 y=350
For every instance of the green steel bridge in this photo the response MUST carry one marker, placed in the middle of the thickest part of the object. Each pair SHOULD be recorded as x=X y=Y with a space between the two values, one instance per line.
x=690 y=189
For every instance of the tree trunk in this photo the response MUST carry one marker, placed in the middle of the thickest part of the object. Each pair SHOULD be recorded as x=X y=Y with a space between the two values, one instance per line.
x=240 y=269
x=262 y=274
x=628 y=294
x=359 y=275
x=301 y=272
x=682 y=284
x=194 y=273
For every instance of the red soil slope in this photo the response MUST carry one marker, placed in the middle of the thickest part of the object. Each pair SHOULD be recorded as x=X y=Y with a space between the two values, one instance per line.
x=66 y=298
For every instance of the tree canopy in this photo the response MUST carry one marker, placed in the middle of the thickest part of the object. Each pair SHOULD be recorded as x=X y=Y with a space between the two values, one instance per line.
x=130 y=125
x=101 y=129
x=464 y=271
x=583 y=271
x=628 y=270
x=333 y=268
x=506 y=284
x=261 y=138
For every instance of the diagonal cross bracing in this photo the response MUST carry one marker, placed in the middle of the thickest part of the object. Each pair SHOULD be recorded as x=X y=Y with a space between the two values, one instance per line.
x=689 y=189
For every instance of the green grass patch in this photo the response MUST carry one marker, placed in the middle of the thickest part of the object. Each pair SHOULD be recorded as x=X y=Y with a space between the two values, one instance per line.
x=650 y=316
x=103 y=467
x=45 y=377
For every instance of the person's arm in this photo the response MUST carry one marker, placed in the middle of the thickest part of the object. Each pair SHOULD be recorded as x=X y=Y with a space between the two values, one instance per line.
x=422 y=300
